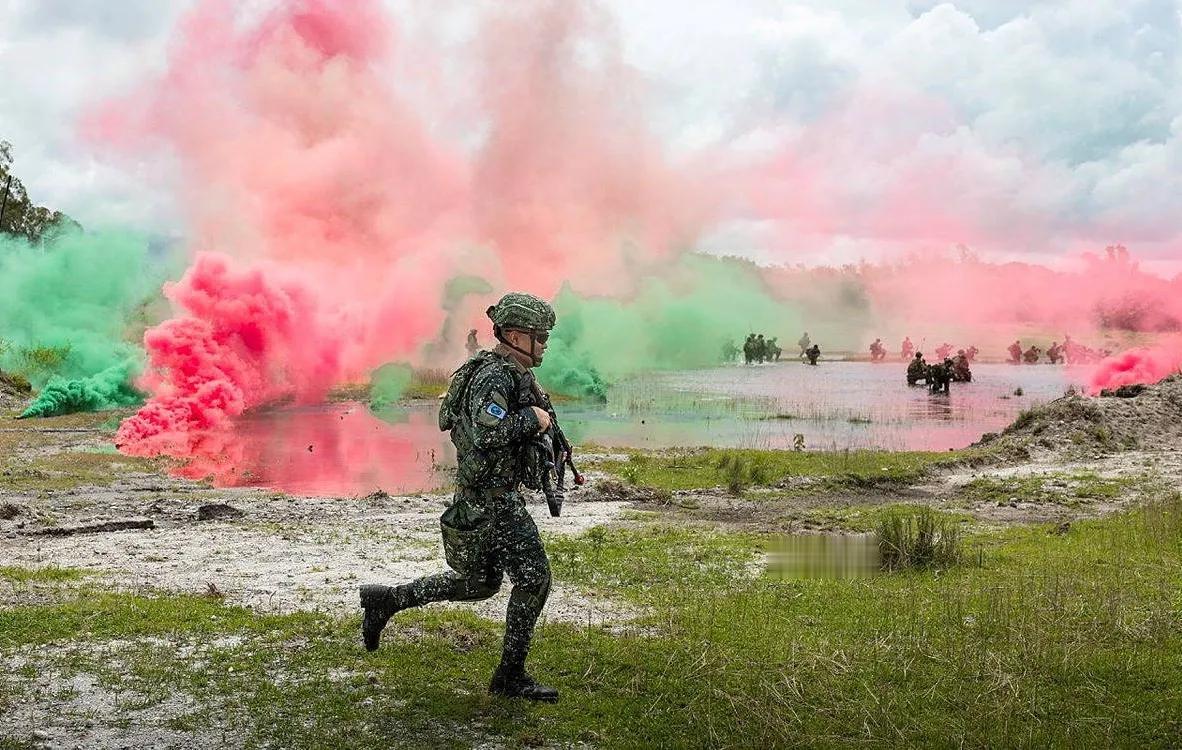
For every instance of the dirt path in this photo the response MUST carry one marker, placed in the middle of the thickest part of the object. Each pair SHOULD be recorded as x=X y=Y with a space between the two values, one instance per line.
x=282 y=553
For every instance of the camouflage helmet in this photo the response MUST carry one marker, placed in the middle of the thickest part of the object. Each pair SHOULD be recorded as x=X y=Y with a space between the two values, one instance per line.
x=523 y=311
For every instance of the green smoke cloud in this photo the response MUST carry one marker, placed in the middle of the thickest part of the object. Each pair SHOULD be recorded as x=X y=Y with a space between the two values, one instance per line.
x=104 y=390
x=65 y=307
x=682 y=319
x=72 y=312
x=387 y=384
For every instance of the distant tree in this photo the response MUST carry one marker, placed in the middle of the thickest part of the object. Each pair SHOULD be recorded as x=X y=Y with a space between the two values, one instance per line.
x=21 y=216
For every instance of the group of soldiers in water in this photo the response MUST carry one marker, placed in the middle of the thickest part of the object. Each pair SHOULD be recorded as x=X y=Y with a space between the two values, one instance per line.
x=1071 y=352
x=907 y=350
x=940 y=375
x=946 y=368
x=758 y=349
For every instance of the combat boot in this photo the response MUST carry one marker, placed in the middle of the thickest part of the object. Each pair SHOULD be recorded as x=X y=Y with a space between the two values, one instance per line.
x=380 y=603
x=519 y=684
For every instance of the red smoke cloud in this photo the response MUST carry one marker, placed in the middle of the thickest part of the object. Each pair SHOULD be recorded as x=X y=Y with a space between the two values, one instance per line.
x=899 y=174
x=1108 y=292
x=245 y=339
x=571 y=186
x=324 y=189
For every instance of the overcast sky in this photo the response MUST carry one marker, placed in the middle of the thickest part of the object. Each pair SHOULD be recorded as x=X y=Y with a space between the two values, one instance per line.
x=1054 y=125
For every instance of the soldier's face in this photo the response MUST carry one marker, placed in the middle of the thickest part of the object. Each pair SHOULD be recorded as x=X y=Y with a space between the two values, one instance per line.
x=522 y=340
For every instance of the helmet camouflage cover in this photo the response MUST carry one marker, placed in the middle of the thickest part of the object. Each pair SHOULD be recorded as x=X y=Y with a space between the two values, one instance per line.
x=524 y=311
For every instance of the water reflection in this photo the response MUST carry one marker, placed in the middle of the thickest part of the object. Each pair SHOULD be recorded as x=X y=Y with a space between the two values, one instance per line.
x=345 y=449
x=831 y=556
x=332 y=449
x=841 y=405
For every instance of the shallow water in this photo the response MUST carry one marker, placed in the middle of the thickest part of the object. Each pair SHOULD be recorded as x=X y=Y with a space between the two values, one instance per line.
x=835 y=406
x=345 y=449
x=330 y=449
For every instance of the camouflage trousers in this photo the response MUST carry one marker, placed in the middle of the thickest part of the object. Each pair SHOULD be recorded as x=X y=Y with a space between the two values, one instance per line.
x=512 y=546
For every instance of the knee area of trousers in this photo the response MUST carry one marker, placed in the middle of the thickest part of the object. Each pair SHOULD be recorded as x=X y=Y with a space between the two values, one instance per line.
x=537 y=581
x=482 y=588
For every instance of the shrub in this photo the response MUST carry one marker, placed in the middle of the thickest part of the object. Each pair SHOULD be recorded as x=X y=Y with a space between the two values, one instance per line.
x=918 y=539
x=44 y=359
x=1024 y=419
x=739 y=472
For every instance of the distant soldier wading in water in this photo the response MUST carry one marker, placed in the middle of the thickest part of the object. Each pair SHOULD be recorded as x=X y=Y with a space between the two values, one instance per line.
x=493 y=408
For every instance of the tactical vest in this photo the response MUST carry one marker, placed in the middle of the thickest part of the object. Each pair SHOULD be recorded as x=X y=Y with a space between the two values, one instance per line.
x=478 y=468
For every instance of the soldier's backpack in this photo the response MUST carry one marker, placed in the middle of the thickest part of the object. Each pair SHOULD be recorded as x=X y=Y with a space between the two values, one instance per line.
x=451 y=408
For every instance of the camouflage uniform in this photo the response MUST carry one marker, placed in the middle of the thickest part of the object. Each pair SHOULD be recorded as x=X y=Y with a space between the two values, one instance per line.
x=1015 y=350
x=917 y=370
x=749 y=348
x=773 y=349
x=961 y=372
x=940 y=376
x=487 y=531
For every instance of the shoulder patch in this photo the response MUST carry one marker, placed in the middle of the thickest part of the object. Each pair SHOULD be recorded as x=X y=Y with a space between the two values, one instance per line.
x=493 y=410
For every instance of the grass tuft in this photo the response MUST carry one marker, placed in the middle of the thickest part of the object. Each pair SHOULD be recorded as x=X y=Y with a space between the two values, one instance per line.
x=918 y=538
x=48 y=574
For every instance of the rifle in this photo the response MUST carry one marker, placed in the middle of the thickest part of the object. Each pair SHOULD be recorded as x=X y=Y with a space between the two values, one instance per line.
x=556 y=454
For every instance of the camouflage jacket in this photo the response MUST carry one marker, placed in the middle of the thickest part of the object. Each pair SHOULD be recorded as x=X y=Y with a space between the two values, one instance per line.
x=495 y=422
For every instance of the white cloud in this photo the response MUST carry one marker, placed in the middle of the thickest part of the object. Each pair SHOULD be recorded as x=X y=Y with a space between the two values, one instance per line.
x=59 y=57
x=1047 y=124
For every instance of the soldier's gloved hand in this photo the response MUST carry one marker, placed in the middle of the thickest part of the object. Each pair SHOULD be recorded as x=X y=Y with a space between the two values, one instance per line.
x=543 y=418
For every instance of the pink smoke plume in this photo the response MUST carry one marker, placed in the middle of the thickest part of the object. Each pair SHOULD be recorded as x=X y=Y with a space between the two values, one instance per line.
x=325 y=190
x=897 y=176
x=338 y=211
x=1139 y=365
x=340 y=451
x=245 y=339
x=994 y=300
x=1103 y=301
x=571 y=185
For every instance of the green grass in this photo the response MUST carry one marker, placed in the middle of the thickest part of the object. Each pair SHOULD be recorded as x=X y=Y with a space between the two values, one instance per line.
x=865 y=518
x=1060 y=640
x=635 y=563
x=48 y=574
x=739 y=469
x=34 y=457
x=1058 y=488
x=71 y=469
x=919 y=538
x=427 y=383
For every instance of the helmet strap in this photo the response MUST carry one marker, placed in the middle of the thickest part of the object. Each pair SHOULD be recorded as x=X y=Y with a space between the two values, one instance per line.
x=533 y=344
